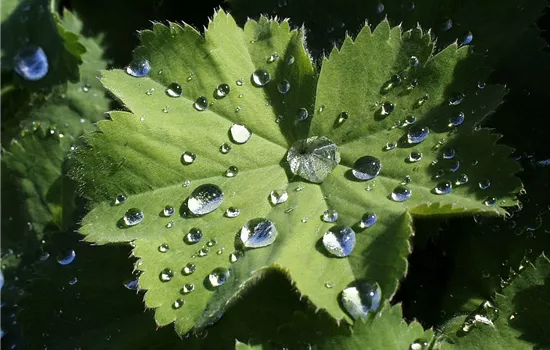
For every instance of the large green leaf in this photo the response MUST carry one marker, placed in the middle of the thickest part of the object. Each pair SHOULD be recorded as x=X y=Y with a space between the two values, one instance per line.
x=517 y=320
x=139 y=153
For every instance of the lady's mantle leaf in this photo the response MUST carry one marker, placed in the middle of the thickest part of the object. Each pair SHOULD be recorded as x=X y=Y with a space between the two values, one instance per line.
x=139 y=154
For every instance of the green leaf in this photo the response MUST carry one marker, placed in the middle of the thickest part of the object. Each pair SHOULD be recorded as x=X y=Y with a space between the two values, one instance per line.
x=243 y=346
x=385 y=330
x=521 y=317
x=35 y=23
x=139 y=153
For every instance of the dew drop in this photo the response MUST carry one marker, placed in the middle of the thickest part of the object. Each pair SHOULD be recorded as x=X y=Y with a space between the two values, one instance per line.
x=390 y=145
x=166 y=275
x=443 y=187
x=368 y=219
x=131 y=284
x=174 y=90
x=188 y=158
x=278 y=197
x=414 y=156
x=401 y=194
x=212 y=242
x=468 y=37
x=283 y=87
x=366 y=168
x=120 y=199
x=66 y=257
x=260 y=77
x=380 y=8
x=138 y=68
x=177 y=303
x=330 y=215
x=419 y=344
x=203 y=252
x=484 y=184
x=361 y=298
x=302 y=114
x=490 y=202
x=201 y=103
x=165 y=109
x=413 y=61
x=387 y=108
x=410 y=119
x=239 y=133
x=258 y=233
x=329 y=284
x=222 y=90
x=454 y=166
x=225 y=148
x=272 y=58
x=235 y=256
x=447 y=24
x=232 y=212
x=232 y=171
x=313 y=158
x=290 y=60
x=422 y=100
x=240 y=82
x=456 y=99
x=449 y=153
x=164 y=247
x=481 y=85
x=188 y=269
x=205 y=199
x=188 y=288
x=168 y=211
x=461 y=179
x=339 y=240
x=342 y=117
x=193 y=236
x=406 y=180
x=417 y=134
x=132 y=217
x=218 y=276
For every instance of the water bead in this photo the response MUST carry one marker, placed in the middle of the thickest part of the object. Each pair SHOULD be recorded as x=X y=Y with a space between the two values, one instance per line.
x=410 y=119
x=178 y=303
x=174 y=90
x=302 y=114
x=66 y=257
x=449 y=153
x=232 y=171
x=417 y=134
x=218 y=276
x=168 y=211
x=278 y=197
x=413 y=61
x=330 y=215
x=468 y=37
x=232 y=212
x=188 y=288
x=164 y=247
x=188 y=158
x=138 y=68
x=461 y=179
x=193 y=236
x=188 y=269
x=272 y=58
x=283 y=87
x=490 y=202
x=447 y=24
x=414 y=156
x=339 y=241
x=166 y=275
x=31 y=63
x=484 y=184
x=390 y=145
x=454 y=166
x=201 y=103
x=203 y=252
x=342 y=117
x=361 y=298
x=120 y=199
x=260 y=77
x=235 y=256
x=132 y=217
x=258 y=233
x=401 y=194
x=239 y=133
x=443 y=187
x=205 y=199
x=387 y=108
x=225 y=148
x=313 y=158
x=456 y=119
x=222 y=90
x=366 y=168
x=456 y=99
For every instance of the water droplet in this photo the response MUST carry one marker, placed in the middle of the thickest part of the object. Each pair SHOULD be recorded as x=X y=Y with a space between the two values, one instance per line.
x=484 y=184
x=188 y=158
x=443 y=187
x=330 y=215
x=212 y=242
x=414 y=156
x=201 y=103
x=447 y=24
x=380 y=8
x=278 y=197
x=387 y=108
x=490 y=202
x=368 y=220
x=31 y=63
x=120 y=199
x=313 y=158
x=203 y=251
x=66 y=257
x=132 y=217
x=366 y=168
x=401 y=194
x=138 y=68
x=220 y=251
x=86 y=87
x=413 y=61
x=166 y=275
x=410 y=119
x=218 y=276
x=342 y=117
x=422 y=100
x=232 y=212
x=481 y=85
x=456 y=99
x=186 y=183
x=131 y=284
x=177 y=303
x=232 y=171
x=174 y=90
x=170 y=224
x=461 y=179
x=339 y=240
x=260 y=77
x=164 y=247
x=406 y=180
x=222 y=90
x=273 y=57
x=361 y=298
x=205 y=199
x=283 y=87
x=390 y=145
x=419 y=344
x=449 y=153
x=468 y=37
x=240 y=133
x=44 y=256
x=225 y=148
x=235 y=256
x=168 y=211
x=188 y=288
x=188 y=269
x=417 y=134
x=290 y=60
x=302 y=114
x=193 y=236
x=454 y=166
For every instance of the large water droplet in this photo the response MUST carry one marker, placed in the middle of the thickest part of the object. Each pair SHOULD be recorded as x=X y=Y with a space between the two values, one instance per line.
x=313 y=158
x=444 y=187
x=218 y=276
x=188 y=158
x=339 y=240
x=232 y=212
x=222 y=90
x=401 y=194
x=456 y=119
x=166 y=275
x=414 y=156
x=138 y=68
x=260 y=77
x=368 y=220
x=201 y=103
x=188 y=269
x=278 y=196
x=387 y=108
x=484 y=184
x=366 y=168
x=258 y=233
x=302 y=114
x=361 y=298
x=31 y=63
x=330 y=215
x=417 y=134
x=205 y=199
x=283 y=87
x=133 y=217
x=66 y=257
x=239 y=133
x=174 y=90
x=193 y=236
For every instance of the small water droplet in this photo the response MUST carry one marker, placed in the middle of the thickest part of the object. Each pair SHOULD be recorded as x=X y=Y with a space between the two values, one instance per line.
x=232 y=212
x=481 y=85
x=414 y=61
x=454 y=166
x=120 y=199
x=484 y=184
x=339 y=240
x=401 y=194
x=409 y=120
x=260 y=77
x=186 y=183
x=387 y=108
x=225 y=148
x=456 y=119
x=313 y=158
x=131 y=284
x=232 y=171
x=240 y=133
x=66 y=257
x=212 y=242
x=361 y=298
x=164 y=247
x=380 y=8
x=422 y=100
x=166 y=275
x=203 y=252
x=417 y=134
x=222 y=90
x=456 y=99
x=390 y=145
x=177 y=303
x=218 y=276
x=205 y=199
x=174 y=90
x=138 y=68
x=302 y=114
x=193 y=236
x=461 y=179
x=170 y=224
x=342 y=117
x=468 y=37
x=406 y=180
x=272 y=58
x=220 y=251
x=278 y=196
x=283 y=87
x=240 y=82
x=188 y=288
x=419 y=344
x=86 y=87
x=330 y=215
x=446 y=24
x=188 y=158
x=188 y=269
x=368 y=219
x=366 y=168
x=201 y=103
x=490 y=202
x=443 y=187
x=449 y=153
x=304 y=220
x=168 y=211
x=31 y=63
x=290 y=60
x=132 y=217
x=414 y=156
